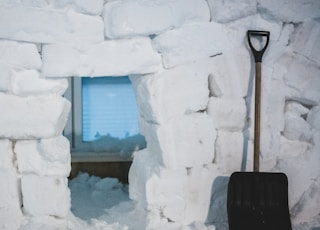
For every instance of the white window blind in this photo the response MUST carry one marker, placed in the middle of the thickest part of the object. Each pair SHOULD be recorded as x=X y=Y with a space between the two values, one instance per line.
x=108 y=108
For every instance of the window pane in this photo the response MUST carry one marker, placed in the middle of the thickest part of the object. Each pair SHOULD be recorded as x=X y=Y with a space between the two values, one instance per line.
x=108 y=108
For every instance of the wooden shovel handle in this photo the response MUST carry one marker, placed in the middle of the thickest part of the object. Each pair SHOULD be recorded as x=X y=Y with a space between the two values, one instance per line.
x=258 y=59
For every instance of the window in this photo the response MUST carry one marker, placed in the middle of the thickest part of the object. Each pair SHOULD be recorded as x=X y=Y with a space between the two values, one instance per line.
x=103 y=122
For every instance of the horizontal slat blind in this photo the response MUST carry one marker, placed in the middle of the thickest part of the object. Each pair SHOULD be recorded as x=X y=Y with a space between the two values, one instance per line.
x=108 y=108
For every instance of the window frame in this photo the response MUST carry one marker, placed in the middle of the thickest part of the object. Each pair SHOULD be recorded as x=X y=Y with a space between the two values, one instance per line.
x=73 y=129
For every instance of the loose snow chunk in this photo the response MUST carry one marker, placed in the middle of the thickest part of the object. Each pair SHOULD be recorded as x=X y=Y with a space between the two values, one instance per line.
x=227 y=114
x=29 y=83
x=191 y=42
x=130 y=18
x=290 y=11
x=226 y=11
x=51 y=198
x=174 y=92
x=45 y=157
x=47 y=26
x=32 y=117
x=110 y=58
x=18 y=54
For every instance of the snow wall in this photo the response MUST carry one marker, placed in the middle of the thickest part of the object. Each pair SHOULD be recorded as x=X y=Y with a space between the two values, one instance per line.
x=192 y=73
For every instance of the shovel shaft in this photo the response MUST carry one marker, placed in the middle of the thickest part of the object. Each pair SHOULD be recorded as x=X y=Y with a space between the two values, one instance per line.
x=257 y=111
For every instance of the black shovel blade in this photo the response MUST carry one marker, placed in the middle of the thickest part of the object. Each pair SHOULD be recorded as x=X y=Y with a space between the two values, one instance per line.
x=258 y=201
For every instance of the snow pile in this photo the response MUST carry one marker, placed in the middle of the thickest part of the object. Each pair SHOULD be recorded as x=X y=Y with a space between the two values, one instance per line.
x=193 y=77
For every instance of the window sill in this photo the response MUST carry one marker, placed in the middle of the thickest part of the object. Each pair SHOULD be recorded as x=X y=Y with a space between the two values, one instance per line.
x=78 y=157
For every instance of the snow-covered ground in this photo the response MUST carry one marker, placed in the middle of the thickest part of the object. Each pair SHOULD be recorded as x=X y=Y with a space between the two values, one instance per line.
x=104 y=203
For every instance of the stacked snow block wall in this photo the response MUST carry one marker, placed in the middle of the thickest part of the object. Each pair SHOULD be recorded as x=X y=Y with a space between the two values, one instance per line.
x=192 y=73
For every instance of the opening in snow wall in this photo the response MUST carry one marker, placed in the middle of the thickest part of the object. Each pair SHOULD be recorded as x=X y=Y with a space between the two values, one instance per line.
x=192 y=74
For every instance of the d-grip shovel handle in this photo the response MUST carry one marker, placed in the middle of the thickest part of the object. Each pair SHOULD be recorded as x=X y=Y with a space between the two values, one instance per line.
x=258 y=53
x=258 y=59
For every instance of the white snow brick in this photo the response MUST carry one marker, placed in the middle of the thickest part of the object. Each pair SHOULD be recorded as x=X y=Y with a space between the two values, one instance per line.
x=48 y=26
x=50 y=198
x=302 y=78
x=313 y=117
x=32 y=117
x=174 y=92
x=10 y=206
x=229 y=151
x=166 y=191
x=93 y=7
x=226 y=11
x=110 y=58
x=288 y=11
x=201 y=181
x=143 y=166
x=132 y=18
x=5 y=79
x=29 y=83
x=237 y=30
x=6 y=154
x=18 y=54
x=191 y=42
x=230 y=74
x=292 y=148
x=185 y=141
x=158 y=189
x=45 y=157
x=305 y=40
x=227 y=114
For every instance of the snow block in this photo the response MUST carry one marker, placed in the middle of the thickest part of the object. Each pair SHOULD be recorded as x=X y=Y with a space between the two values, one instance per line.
x=226 y=11
x=185 y=141
x=5 y=79
x=13 y=54
x=301 y=78
x=167 y=193
x=191 y=42
x=45 y=157
x=174 y=92
x=144 y=164
x=296 y=128
x=93 y=7
x=32 y=117
x=292 y=148
x=110 y=58
x=10 y=205
x=45 y=195
x=229 y=151
x=29 y=83
x=294 y=12
x=132 y=18
x=6 y=154
x=305 y=40
x=230 y=74
x=201 y=181
x=227 y=114
x=314 y=117
x=36 y=25
x=237 y=30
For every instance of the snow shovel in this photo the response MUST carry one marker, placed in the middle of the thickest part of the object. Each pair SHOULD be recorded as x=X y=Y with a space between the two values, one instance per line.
x=258 y=200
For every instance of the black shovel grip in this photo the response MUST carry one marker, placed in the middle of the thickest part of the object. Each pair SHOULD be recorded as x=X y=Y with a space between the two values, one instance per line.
x=258 y=53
